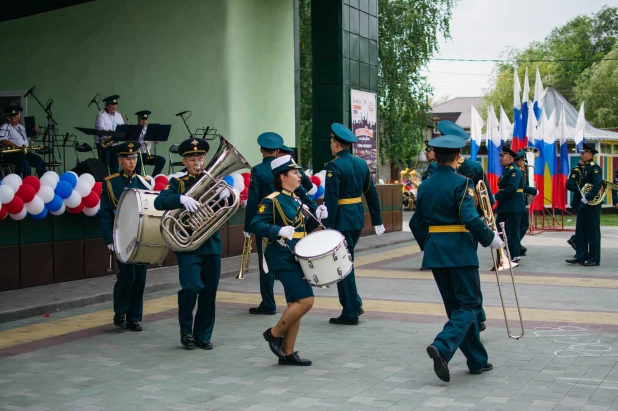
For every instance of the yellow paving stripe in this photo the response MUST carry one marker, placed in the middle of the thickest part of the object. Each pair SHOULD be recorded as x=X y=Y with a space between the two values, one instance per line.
x=55 y=328
x=491 y=278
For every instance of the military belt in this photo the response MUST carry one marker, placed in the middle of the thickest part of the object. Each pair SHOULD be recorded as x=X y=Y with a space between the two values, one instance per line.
x=448 y=228
x=519 y=190
x=299 y=235
x=354 y=200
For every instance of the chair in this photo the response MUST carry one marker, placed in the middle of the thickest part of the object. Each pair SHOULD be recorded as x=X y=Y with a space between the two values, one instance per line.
x=82 y=147
x=173 y=149
x=6 y=168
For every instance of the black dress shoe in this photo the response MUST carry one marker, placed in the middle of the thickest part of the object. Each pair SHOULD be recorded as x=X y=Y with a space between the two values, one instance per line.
x=275 y=343
x=294 y=359
x=134 y=326
x=361 y=311
x=187 y=340
x=574 y=261
x=590 y=264
x=482 y=326
x=425 y=269
x=523 y=251
x=572 y=244
x=440 y=366
x=343 y=321
x=261 y=310
x=487 y=367
x=120 y=321
x=204 y=345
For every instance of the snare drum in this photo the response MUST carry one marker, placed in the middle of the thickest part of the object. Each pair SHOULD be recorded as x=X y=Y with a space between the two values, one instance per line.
x=324 y=257
x=137 y=236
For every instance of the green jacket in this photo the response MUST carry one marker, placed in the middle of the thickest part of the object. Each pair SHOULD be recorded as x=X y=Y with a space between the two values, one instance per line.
x=347 y=178
x=510 y=195
x=113 y=186
x=574 y=184
x=447 y=199
x=593 y=174
x=474 y=171
x=431 y=168
x=169 y=199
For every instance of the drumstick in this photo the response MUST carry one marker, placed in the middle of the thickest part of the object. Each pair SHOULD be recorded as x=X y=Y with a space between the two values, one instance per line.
x=110 y=270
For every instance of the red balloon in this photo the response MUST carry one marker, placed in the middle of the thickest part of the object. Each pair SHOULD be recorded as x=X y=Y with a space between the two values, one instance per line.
x=15 y=206
x=91 y=200
x=316 y=180
x=158 y=186
x=26 y=193
x=33 y=182
x=77 y=209
x=97 y=188
x=161 y=179
x=246 y=175
x=3 y=213
x=244 y=194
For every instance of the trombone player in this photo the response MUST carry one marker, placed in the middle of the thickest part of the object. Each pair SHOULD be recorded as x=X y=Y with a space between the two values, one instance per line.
x=145 y=146
x=450 y=252
x=511 y=203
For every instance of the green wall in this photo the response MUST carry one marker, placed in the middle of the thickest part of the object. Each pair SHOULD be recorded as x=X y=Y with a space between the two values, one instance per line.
x=229 y=61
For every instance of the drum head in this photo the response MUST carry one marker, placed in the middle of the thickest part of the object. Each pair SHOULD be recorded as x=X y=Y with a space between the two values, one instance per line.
x=318 y=243
x=126 y=224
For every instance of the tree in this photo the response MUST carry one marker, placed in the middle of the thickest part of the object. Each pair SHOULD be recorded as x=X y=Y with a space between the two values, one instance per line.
x=408 y=37
x=305 y=81
x=598 y=87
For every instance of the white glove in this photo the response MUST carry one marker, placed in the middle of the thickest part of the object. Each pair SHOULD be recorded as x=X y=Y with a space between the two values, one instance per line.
x=496 y=242
x=379 y=229
x=225 y=193
x=321 y=212
x=190 y=204
x=110 y=247
x=287 y=232
x=246 y=234
x=584 y=200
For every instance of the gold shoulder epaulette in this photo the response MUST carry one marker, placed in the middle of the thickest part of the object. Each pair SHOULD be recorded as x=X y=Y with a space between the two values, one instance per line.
x=592 y=163
x=146 y=177
x=272 y=195
x=510 y=167
x=112 y=176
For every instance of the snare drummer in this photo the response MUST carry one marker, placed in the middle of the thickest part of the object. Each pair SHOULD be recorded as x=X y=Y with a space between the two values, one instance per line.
x=131 y=281
x=280 y=220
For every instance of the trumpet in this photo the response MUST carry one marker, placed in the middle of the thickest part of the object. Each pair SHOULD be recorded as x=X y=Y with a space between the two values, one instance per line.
x=22 y=149
x=503 y=254
x=244 y=259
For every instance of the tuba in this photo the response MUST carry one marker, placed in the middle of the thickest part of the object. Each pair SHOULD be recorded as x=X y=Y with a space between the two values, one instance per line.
x=598 y=199
x=185 y=231
x=532 y=153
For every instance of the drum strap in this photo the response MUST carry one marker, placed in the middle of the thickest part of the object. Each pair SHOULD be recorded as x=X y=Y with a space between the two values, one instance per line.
x=447 y=229
x=144 y=182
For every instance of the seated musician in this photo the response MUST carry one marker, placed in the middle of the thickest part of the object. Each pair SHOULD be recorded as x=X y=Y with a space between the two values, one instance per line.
x=146 y=146
x=108 y=119
x=13 y=135
x=280 y=220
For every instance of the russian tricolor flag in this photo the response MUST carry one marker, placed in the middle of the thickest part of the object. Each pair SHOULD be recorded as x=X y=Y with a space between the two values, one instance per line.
x=476 y=132
x=559 y=180
x=535 y=139
x=494 y=142
x=548 y=130
x=518 y=132
x=580 y=127
x=524 y=110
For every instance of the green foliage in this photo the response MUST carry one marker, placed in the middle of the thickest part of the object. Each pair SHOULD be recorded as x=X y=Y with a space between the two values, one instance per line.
x=408 y=37
x=598 y=86
x=305 y=81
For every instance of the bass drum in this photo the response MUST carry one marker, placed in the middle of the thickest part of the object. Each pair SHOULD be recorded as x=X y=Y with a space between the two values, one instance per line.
x=324 y=257
x=137 y=233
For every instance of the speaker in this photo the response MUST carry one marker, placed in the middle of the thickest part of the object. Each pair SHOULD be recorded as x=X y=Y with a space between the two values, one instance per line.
x=92 y=166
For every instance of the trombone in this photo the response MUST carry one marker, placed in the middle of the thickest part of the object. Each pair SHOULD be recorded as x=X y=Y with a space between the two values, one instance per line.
x=244 y=259
x=504 y=256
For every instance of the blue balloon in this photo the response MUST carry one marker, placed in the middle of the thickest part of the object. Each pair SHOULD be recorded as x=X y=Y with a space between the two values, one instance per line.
x=41 y=215
x=55 y=204
x=229 y=180
x=63 y=189
x=69 y=178
x=318 y=193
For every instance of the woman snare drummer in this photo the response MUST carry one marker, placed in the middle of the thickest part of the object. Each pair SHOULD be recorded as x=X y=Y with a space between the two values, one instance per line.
x=279 y=218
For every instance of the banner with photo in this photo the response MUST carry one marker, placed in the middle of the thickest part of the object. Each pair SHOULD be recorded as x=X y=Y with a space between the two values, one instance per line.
x=364 y=125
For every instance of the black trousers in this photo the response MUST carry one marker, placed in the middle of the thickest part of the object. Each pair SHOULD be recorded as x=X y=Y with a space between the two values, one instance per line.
x=512 y=223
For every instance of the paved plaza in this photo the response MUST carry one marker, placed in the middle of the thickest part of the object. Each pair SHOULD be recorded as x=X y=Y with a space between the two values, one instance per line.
x=76 y=359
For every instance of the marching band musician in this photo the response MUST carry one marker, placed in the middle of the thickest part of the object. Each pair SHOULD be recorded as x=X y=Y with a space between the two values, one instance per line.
x=347 y=178
x=431 y=157
x=588 y=223
x=13 y=135
x=262 y=184
x=131 y=281
x=615 y=192
x=108 y=119
x=305 y=182
x=447 y=227
x=198 y=270
x=520 y=161
x=280 y=219
x=159 y=162
x=511 y=203
x=573 y=184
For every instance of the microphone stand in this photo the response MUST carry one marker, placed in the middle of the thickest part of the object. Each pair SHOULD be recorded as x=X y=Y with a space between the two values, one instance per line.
x=182 y=116
x=51 y=126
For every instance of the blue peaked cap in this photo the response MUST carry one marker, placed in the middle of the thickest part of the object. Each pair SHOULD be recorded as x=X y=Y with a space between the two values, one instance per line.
x=447 y=127
x=342 y=133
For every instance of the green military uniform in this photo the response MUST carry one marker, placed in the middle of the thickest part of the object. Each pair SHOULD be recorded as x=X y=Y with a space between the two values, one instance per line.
x=431 y=168
x=131 y=281
x=198 y=270
x=447 y=227
x=525 y=215
x=347 y=178
x=573 y=184
x=511 y=204
x=589 y=217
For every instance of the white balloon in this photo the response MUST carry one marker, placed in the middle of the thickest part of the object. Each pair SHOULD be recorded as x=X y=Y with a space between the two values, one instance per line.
x=313 y=190
x=88 y=179
x=48 y=180
x=90 y=212
x=35 y=206
x=13 y=181
x=6 y=193
x=61 y=210
x=239 y=182
x=52 y=174
x=73 y=200
x=46 y=193
x=323 y=172
x=83 y=188
x=21 y=215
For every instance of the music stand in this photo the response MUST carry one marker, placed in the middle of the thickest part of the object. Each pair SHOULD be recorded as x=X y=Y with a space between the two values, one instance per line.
x=130 y=132
x=157 y=133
